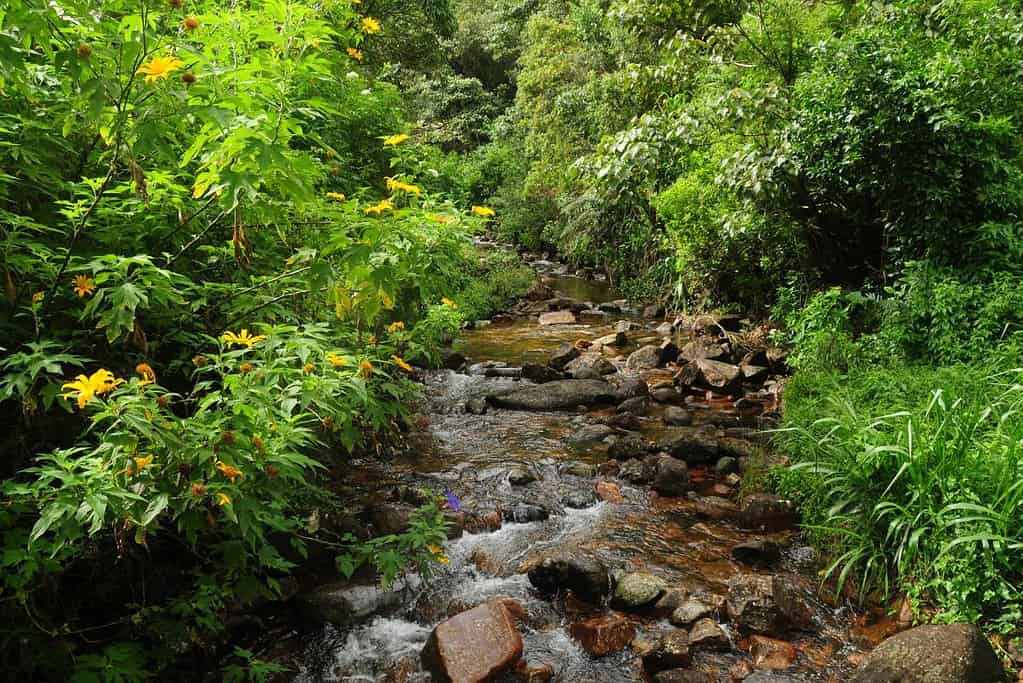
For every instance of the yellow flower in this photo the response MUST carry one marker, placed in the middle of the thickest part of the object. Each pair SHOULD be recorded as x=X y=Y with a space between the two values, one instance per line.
x=243 y=338
x=378 y=209
x=395 y=140
x=223 y=499
x=365 y=368
x=448 y=302
x=231 y=473
x=483 y=211
x=315 y=43
x=38 y=297
x=400 y=362
x=246 y=368
x=160 y=67
x=443 y=220
x=395 y=326
x=308 y=368
x=393 y=185
x=84 y=388
x=336 y=360
x=83 y=286
x=438 y=554
x=355 y=54
x=370 y=25
x=198 y=490
x=142 y=463
x=148 y=375
x=336 y=196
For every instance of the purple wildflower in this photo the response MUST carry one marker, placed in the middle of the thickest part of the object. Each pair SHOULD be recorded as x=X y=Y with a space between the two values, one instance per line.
x=453 y=501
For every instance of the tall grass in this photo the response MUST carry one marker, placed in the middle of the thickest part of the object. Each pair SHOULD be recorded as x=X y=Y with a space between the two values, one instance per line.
x=915 y=491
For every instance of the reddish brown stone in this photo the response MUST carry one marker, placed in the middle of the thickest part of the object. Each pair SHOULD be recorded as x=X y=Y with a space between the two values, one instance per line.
x=603 y=635
x=533 y=673
x=707 y=635
x=771 y=654
x=474 y=646
x=741 y=670
x=608 y=491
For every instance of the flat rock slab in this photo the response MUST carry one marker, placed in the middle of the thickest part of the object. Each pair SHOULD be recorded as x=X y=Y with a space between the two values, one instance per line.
x=561 y=395
x=474 y=646
x=558 y=318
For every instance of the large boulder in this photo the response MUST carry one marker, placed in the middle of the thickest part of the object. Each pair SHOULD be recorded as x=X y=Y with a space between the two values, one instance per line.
x=587 y=578
x=948 y=653
x=473 y=647
x=561 y=395
x=645 y=358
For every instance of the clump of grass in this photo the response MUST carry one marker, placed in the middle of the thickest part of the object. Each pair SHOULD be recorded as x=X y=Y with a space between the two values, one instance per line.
x=914 y=491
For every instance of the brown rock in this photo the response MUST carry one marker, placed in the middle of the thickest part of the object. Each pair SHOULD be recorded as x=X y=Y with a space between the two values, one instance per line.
x=740 y=670
x=609 y=492
x=557 y=318
x=474 y=646
x=603 y=635
x=706 y=634
x=533 y=673
x=947 y=653
x=719 y=376
x=713 y=507
x=702 y=348
x=771 y=654
x=768 y=512
x=684 y=676
x=670 y=652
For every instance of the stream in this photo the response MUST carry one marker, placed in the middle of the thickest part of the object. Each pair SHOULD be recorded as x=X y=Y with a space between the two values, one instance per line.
x=504 y=460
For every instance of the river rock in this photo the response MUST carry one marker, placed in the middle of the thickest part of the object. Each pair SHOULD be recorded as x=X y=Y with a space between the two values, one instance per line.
x=707 y=634
x=628 y=387
x=578 y=500
x=666 y=395
x=609 y=492
x=715 y=507
x=343 y=604
x=754 y=373
x=390 y=518
x=653 y=311
x=613 y=339
x=684 y=676
x=600 y=636
x=767 y=512
x=694 y=449
x=702 y=348
x=677 y=417
x=523 y=513
x=726 y=465
x=557 y=318
x=540 y=291
x=638 y=405
x=627 y=447
x=590 y=434
x=562 y=356
x=476 y=406
x=671 y=477
x=526 y=672
x=670 y=652
x=947 y=653
x=637 y=590
x=670 y=600
x=689 y=611
x=644 y=358
x=757 y=552
x=665 y=329
x=590 y=365
x=520 y=476
x=451 y=359
x=540 y=373
x=766 y=604
x=561 y=395
x=587 y=578
x=771 y=654
x=722 y=377
x=592 y=316
x=580 y=469
x=638 y=472
x=474 y=646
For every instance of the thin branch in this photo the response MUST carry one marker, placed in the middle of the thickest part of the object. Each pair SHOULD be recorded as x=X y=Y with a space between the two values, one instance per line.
x=269 y=302
x=270 y=281
x=195 y=240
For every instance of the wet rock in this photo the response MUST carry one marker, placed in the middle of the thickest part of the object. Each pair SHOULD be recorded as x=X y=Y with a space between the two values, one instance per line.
x=523 y=513
x=613 y=339
x=668 y=352
x=455 y=523
x=628 y=447
x=754 y=373
x=590 y=434
x=671 y=477
x=949 y=653
x=609 y=492
x=670 y=652
x=503 y=372
x=677 y=417
x=707 y=634
x=476 y=406
x=565 y=354
x=671 y=600
x=766 y=604
x=533 y=673
x=694 y=449
x=627 y=326
x=587 y=578
x=714 y=507
x=579 y=500
x=624 y=421
x=722 y=377
x=665 y=329
x=666 y=395
x=610 y=306
x=740 y=670
x=580 y=469
x=771 y=654
x=702 y=348
x=689 y=611
x=628 y=387
x=591 y=316
x=520 y=476
x=645 y=358
x=684 y=676
x=557 y=318
x=768 y=512
x=756 y=553
x=638 y=472
x=726 y=465
x=591 y=363
x=474 y=646
x=600 y=636
x=342 y=604
x=637 y=590
x=540 y=373
x=560 y=395
x=637 y=405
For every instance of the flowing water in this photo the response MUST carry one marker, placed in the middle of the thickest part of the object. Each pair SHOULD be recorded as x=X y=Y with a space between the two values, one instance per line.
x=470 y=455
